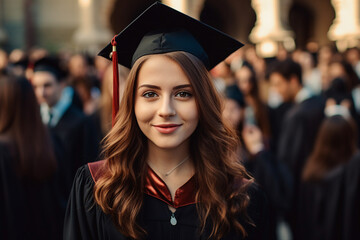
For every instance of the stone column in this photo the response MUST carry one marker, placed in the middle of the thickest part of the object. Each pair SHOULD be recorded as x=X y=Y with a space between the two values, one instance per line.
x=345 y=30
x=271 y=27
x=3 y=36
x=189 y=7
x=92 y=33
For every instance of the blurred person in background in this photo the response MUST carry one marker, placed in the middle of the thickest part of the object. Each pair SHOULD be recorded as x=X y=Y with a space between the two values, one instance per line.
x=63 y=119
x=35 y=54
x=344 y=84
x=259 y=66
x=339 y=68
x=256 y=112
x=78 y=66
x=28 y=195
x=100 y=65
x=300 y=124
x=82 y=76
x=269 y=174
x=311 y=74
x=325 y=54
x=18 y=62
x=222 y=76
x=321 y=200
x=85 y=89
x=3 y=61
x=352 y=56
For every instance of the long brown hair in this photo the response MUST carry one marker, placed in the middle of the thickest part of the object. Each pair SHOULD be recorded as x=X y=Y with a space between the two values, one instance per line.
x=119 y=192
x=335 y=144
x=22 y=128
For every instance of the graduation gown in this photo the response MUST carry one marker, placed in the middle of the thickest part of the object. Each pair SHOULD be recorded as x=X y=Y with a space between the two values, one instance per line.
x=351 y=212
x=320 y=208
x=276 y=181
x=297 y=137
x=74 y=134
x=29 y=210
x=85 y=219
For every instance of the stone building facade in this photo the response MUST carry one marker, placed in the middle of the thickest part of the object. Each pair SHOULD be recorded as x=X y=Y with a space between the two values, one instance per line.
x=86 y=25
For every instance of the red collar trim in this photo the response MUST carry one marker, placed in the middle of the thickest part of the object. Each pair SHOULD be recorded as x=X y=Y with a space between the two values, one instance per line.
x=156 y=187
x=96 y=169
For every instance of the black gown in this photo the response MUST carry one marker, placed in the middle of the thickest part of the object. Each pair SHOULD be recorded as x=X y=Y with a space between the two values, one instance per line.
x=29 y=210
x=351 y=212
x=276 y=181
x=85 y=219
x=296 y=141
x=320 y=208
x=74 y=132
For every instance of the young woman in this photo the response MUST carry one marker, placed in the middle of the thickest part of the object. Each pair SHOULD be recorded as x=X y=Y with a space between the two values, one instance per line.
x=28 y=202
x=170 y=170
x=256 y=112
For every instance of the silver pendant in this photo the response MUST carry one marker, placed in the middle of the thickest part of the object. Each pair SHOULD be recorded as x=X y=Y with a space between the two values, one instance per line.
x=173 y=220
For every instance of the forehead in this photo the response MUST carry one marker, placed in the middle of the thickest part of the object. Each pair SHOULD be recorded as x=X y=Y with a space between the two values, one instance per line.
x=161 y=70
x=277 y=78
x=231 y=104
x=43 y=77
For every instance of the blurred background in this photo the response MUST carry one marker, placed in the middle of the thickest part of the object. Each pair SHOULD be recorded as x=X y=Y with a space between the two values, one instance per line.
x=86 y=25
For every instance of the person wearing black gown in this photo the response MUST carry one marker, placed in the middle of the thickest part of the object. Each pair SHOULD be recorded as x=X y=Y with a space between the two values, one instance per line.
x=65 y=121
x=170 y=170
x=327 y=204
x=271 y=175
x=29 y=203
x=300 y=123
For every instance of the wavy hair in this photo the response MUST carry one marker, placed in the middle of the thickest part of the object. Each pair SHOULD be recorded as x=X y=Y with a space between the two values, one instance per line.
x=221 y=190
x=20 y=122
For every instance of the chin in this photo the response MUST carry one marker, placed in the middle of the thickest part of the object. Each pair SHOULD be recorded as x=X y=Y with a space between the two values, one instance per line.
x=166 y=144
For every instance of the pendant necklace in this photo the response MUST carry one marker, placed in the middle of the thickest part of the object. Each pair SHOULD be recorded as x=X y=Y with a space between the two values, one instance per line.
x=169 y=172
x=173 y=220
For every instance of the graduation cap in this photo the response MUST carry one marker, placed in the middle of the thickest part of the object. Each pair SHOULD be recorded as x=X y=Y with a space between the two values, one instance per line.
x=161 y=29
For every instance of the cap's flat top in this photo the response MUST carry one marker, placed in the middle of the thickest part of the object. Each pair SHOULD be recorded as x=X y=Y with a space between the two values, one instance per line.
x=157 y=17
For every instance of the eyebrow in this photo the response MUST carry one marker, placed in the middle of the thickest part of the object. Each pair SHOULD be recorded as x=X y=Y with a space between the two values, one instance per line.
x=157 y=87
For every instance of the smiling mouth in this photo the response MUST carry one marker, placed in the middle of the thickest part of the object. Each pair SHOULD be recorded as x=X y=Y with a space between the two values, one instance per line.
x=167 y=128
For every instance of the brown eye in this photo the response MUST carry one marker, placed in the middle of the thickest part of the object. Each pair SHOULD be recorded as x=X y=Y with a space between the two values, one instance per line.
x=183 y=94
x=149 y=95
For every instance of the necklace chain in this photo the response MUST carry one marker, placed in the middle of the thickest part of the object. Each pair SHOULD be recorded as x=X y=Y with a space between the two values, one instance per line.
x=169 y=172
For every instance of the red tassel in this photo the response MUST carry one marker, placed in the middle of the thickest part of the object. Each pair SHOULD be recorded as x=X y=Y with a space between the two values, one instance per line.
x=115 y=103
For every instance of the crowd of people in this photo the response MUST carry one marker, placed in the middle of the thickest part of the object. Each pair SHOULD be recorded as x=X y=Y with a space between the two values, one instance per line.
x=297 y=117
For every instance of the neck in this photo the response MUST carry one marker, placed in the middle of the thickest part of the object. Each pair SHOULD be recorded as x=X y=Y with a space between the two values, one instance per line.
x=164 y=160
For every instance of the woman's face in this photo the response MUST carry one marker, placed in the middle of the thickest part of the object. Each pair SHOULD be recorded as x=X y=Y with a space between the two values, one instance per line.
x=165 y=107
x=336 y=70
x=243 y=76
x=232 y=112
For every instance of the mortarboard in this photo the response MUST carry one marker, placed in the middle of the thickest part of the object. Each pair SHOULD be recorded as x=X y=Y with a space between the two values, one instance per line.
x=161 y=29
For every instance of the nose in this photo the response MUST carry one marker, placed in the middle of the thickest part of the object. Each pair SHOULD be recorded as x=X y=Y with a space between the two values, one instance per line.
x=167 y=107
